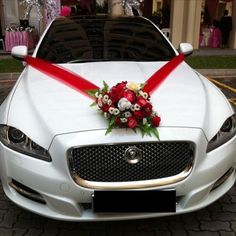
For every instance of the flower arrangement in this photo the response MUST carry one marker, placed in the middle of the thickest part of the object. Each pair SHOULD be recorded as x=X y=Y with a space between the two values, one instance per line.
x=127 y=105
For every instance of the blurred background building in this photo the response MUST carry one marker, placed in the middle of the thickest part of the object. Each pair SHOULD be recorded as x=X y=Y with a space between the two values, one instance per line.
x=192 y=21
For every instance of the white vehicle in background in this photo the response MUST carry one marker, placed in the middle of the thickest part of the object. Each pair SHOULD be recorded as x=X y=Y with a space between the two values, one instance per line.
x=55 y=158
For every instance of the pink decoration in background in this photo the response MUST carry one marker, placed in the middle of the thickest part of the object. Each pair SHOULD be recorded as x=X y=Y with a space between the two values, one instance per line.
x=65 y=11
x=14 y=38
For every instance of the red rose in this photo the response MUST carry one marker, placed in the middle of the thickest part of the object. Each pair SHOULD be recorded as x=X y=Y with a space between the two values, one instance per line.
x=156 y=121
x=105 y=108
x=118 y=121
x=138 y=115
x=129 y=95
x=147 y=109
x=116 y=92
x=141 y=101
x=121 y=85
x=132 y=122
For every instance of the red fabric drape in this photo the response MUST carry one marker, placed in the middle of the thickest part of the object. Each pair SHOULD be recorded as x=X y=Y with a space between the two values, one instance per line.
x=158 y=77
x=69 y=78
x=82 y=85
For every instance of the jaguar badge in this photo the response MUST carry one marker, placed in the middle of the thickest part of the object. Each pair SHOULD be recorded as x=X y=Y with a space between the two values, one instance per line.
x=133 y=155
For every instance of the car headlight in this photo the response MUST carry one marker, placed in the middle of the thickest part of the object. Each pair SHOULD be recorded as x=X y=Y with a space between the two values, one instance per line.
x=226 y=132
x=16 y=140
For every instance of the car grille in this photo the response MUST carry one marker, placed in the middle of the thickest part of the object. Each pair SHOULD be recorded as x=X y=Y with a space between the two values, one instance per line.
x=107 y=163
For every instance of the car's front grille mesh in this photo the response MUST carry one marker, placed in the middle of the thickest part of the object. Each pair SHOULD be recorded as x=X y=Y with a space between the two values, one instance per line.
x=106 y=163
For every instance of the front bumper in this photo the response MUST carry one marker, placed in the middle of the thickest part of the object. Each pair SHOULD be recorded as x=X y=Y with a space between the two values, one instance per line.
x=63 y=199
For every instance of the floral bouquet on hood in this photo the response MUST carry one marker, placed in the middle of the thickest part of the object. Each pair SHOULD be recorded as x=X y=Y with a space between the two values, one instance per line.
x=126 y=105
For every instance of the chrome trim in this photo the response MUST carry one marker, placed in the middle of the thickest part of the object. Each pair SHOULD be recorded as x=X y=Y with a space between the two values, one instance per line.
x=134 y=184
x=223 y=178
x=29 y=195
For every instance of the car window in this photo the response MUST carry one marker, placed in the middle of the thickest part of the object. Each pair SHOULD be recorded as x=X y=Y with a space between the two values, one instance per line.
x=85 y=39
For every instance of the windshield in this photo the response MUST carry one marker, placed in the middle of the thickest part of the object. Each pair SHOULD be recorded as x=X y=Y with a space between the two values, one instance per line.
x=83 y=39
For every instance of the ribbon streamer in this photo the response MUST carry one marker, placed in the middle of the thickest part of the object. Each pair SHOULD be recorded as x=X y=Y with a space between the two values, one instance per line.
x=69 y=78
x=82 y=85
x=158 y=77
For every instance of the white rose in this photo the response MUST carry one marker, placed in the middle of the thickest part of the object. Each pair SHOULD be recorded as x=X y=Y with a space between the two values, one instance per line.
x=99 y=102
x=123 y=120
x=105 y=98
x=116 y=112
x=96 y=94
x=132 y=108
x=111 y=110
x=109 y=102
x=136 y=107
x=144 y=121
x=145 y=95
x=124 y=104
x=127 y=114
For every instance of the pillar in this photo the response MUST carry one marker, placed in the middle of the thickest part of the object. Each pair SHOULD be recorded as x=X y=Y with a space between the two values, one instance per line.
x=193 y=22
x=185 y=22
x=177 y=21
x=115 y=7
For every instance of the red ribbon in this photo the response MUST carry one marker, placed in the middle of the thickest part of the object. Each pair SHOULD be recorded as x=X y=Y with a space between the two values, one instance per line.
x=79 y=83
x=159 y=76
x=69 y=78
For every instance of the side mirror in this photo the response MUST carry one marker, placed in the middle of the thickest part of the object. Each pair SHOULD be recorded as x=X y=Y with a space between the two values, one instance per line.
x=19 y=52
x=186 y=48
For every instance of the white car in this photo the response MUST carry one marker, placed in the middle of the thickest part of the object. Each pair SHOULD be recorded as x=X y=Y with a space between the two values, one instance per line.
x=57 y=161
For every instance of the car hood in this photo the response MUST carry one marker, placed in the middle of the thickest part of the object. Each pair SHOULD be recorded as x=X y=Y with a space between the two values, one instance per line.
x=39 y=100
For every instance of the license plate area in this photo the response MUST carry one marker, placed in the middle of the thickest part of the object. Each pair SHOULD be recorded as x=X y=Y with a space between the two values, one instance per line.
x=134 y=201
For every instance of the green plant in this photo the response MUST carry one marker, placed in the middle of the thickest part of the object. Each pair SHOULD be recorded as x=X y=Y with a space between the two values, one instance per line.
x=10 y=65
x=212 y=62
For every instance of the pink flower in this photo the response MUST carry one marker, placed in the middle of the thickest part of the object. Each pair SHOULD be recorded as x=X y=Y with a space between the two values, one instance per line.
x=65 y=11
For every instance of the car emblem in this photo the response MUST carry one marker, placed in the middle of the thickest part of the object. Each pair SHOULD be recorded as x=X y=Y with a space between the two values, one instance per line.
x=133 y=155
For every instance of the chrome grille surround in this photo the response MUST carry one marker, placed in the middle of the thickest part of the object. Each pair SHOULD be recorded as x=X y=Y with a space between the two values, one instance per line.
x=105 y=166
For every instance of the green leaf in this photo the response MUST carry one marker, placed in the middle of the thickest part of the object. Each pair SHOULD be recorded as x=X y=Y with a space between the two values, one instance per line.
x=146 y=128
x=111 y=125
x=93 y=104
x=109 y=129
x=106 y=87
x=135 y=131
x=155 y=132
x=92 y=92
x=141 y=130
x=142 y=85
